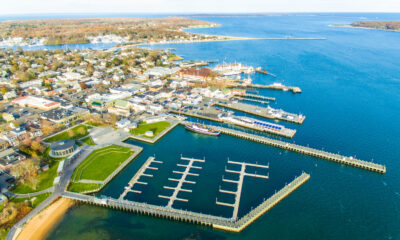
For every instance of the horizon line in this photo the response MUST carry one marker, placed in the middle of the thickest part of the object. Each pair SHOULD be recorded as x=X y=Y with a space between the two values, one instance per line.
x=199 y=13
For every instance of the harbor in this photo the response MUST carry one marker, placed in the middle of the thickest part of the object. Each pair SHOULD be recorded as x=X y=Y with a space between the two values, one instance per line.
x=350 y=161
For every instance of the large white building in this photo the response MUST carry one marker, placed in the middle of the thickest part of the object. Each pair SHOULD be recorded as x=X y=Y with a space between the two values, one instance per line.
x=36 y=102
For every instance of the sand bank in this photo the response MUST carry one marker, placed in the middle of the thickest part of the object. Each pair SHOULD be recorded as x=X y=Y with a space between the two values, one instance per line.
x=38 y=227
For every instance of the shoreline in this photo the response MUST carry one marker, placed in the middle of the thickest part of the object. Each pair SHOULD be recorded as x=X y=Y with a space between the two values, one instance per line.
x=42 y=223
x=369 y=28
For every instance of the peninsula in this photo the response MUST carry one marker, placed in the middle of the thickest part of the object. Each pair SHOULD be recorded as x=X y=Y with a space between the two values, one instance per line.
x=101 y=30
x=379 y=25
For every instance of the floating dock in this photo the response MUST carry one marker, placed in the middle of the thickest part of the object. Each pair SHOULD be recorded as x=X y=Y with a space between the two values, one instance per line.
x=271 y=113
x=140 y=173
x=242 y=173
x=181 y=181
x=374 y=167
x=222 y=223
x=257 y=212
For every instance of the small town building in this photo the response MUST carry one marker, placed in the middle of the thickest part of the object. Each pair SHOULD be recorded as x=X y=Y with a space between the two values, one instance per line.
x=36 y=102
x=8 y=158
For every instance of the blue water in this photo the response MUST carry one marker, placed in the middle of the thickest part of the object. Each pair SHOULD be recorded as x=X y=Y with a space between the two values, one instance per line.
x=351 y=99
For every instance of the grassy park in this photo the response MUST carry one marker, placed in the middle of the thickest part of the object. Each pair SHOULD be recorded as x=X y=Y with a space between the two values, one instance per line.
x=45 y=180
x=83 y=187
x=77 y=132
x=88 y=141
x=98 y=166
x=101 y=163
x=156 y=128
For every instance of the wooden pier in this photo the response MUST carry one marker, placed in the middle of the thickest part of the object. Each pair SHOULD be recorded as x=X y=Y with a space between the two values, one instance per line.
x=181 y=181
x=374 y=167
x=191 y=114
x=249 y=95
x=221 y=223
x=242 y=173
x=140 y=173
x=276 y=87
x=257 y=212
x=269 y=112
x=252 y=100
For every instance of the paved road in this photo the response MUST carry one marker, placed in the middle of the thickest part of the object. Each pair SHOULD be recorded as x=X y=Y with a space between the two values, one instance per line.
x=28 y=195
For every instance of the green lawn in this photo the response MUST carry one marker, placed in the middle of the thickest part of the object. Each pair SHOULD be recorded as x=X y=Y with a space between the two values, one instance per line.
x=39 y=198
x=64 y=135
x=45 y=181
x=96 y=124
x=88 y=141
x=156 y=128
x=82 y=187
x=101 y=163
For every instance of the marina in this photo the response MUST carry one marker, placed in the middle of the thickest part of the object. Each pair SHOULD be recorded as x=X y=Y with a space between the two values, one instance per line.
x=140 y=173
x=226 y=224
x=268 y=112
x=182 y=180
x=351 y=161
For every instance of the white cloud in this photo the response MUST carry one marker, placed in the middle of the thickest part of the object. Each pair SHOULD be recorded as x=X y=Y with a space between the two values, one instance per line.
x=180 y=6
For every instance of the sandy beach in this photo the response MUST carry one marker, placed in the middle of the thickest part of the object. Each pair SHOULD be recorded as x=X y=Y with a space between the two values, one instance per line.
x=38 y=227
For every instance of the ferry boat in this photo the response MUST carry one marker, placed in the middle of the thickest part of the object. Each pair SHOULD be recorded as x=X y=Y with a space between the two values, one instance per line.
x=201 y=129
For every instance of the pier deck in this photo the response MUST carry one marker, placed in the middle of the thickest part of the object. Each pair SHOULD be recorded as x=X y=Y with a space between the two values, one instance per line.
x=276 y=87
x=249 y=95
x=181 y=181
x=374 y=167
x=221 y=223
x=140 y=173
x=242 y=173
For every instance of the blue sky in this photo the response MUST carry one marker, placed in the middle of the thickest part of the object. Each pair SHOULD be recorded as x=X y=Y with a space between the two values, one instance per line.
x=195 y=6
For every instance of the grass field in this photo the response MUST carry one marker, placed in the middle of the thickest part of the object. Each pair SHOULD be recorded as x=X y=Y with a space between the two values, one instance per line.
x=88 y=141
x=38 y=199
x=65 y=135
x=45 y=181
x=82 y=187
x=101 y=163
x=156 y=128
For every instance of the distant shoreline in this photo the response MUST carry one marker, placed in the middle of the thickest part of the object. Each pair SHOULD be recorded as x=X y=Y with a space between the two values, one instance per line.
x=370 y=28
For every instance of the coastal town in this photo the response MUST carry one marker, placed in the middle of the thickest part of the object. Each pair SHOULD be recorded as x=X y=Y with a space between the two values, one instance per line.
x=54 y=103
x=66 y=117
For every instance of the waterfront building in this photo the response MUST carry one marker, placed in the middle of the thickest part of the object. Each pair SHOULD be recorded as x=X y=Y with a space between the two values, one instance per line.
x=62 y=148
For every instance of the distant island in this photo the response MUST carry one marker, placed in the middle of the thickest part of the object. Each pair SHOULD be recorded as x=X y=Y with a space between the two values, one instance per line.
x=380 y=25
x=101 y=30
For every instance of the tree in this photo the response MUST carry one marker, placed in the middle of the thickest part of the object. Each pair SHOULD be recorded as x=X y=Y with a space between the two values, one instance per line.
x=71 y=133
x=81 y=131
x=90 y=69
x=37 y=146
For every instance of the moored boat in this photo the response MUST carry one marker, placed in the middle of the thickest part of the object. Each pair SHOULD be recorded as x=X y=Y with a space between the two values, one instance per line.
x=201 y=129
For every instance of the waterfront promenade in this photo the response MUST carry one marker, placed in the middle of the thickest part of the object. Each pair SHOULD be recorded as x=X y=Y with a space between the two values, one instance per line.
x=302 y=149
